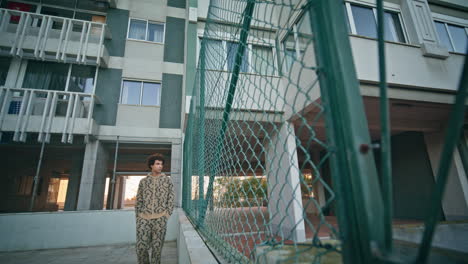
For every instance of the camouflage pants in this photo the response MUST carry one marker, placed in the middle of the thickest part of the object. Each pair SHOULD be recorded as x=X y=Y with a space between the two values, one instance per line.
x=150 y=235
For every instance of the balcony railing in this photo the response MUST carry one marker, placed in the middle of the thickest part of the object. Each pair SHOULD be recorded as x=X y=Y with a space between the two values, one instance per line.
x=46 y=112
x=52 y=38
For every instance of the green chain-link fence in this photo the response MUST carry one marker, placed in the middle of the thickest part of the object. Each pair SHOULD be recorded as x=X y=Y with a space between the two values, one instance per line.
x=275 y=118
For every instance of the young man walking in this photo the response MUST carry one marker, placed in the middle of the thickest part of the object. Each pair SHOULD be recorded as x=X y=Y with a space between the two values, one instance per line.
x=154 y=206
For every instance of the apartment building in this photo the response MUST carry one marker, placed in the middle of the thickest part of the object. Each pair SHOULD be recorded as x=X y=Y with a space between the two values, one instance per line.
x=88 y=89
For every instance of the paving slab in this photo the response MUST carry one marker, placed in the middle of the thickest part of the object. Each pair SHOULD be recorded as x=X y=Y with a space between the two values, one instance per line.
x=115 y=254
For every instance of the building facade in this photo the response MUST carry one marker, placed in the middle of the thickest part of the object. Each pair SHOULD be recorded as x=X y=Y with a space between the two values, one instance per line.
x=88 y=90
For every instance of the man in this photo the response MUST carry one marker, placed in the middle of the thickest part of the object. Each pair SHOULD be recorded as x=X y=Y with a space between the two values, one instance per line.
x=154 y=205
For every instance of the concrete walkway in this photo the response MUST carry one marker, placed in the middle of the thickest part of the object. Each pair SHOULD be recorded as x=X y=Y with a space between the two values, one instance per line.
x=115 y=254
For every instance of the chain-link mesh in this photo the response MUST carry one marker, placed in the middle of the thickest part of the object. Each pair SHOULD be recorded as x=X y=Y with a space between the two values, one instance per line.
x=256 y=176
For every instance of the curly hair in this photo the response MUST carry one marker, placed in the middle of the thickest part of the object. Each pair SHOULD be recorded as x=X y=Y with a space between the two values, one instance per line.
x=152 y=158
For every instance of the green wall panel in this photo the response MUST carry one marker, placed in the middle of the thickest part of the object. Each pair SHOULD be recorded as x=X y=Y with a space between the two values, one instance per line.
x=413 y=179
x=108 y=91
x=171 y=101
x=176 y=3
x=174 y=40
x=191 y=63
x=117 y=23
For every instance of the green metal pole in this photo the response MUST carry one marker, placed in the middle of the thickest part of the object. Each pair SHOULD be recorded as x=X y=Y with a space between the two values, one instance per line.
x=201 y=133
x=232 y=91
x=385 y=145
x=451 y=139
x=463 y=150
x=354 y=175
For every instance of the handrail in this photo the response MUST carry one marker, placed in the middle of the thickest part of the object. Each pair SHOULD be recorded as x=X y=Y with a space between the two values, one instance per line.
x=51 y=99
x=67 y=33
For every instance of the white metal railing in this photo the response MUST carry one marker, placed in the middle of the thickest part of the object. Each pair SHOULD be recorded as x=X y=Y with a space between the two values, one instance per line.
x=46 y=29
x=47 y=106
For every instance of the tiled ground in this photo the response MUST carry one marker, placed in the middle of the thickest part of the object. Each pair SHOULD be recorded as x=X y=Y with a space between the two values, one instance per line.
x=115 y=254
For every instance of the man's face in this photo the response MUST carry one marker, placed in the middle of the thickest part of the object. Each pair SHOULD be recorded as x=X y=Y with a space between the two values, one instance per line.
x=157 y=166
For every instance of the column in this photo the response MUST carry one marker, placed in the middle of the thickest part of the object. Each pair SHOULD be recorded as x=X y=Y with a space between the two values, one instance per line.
x=454 y=202
x=284 y=191
x=74 y=182
x=93 y=177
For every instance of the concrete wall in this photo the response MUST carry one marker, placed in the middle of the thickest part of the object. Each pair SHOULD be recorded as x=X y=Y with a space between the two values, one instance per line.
x=30 y=231
x=412 y=176
x=448 y=236
x=148 y=116
x=406 y=65
x=454 y=203
x=191 y=248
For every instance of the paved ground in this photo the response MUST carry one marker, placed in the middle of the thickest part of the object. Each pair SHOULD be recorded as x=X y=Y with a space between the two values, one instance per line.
x=116 y=254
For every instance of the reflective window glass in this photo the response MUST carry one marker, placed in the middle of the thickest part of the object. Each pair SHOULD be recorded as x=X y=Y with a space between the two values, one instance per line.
x=459 y=38
x=232 y=48
x=155 y=32
x=214 y=47
x=46 y=75
x=82 y=79
x=137 y=29
x=4 y=66
x=131 y=92
x=393 y=29
x=365 y=21
x=262 y=60
x=443 y=35
x=151 y=92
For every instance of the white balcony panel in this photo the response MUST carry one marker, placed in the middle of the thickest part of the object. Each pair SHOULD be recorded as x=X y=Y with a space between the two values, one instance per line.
x=24 y=111
x=52 y=38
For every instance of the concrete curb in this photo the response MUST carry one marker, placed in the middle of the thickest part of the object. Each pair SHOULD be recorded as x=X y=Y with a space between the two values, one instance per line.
x=191 y=247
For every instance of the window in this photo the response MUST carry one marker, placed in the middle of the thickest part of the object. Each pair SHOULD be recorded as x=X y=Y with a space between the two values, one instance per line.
x=262 y=60
x=298 y=42
x=232 y=48
x=290 y=52
x=81 y=79
x=140 y=93
x=54 y=76
x=4 y=66
x=146 y=30
x=222 y=56
x=454 y=37
x=363 y=21
x=214 y=47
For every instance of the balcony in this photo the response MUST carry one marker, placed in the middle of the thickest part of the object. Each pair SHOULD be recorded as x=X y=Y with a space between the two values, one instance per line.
x=46 y=112
x=44 y=37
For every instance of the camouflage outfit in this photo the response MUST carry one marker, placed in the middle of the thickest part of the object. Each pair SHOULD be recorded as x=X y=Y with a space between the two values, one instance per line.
x=154 y=205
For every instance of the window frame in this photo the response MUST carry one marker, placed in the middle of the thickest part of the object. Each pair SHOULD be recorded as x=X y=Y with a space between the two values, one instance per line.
x=142 y=82
x=146 y=32
x=21 y=75
x=446 y=20
x=352 y=24
x=250 y=45
x=294 y=32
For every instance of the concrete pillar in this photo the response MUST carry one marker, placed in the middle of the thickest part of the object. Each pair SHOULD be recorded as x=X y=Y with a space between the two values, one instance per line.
x=93 y=177
x=74 y=182
x=454 y=202
x=421 y=29
x=176 y=165
x=284 y=191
